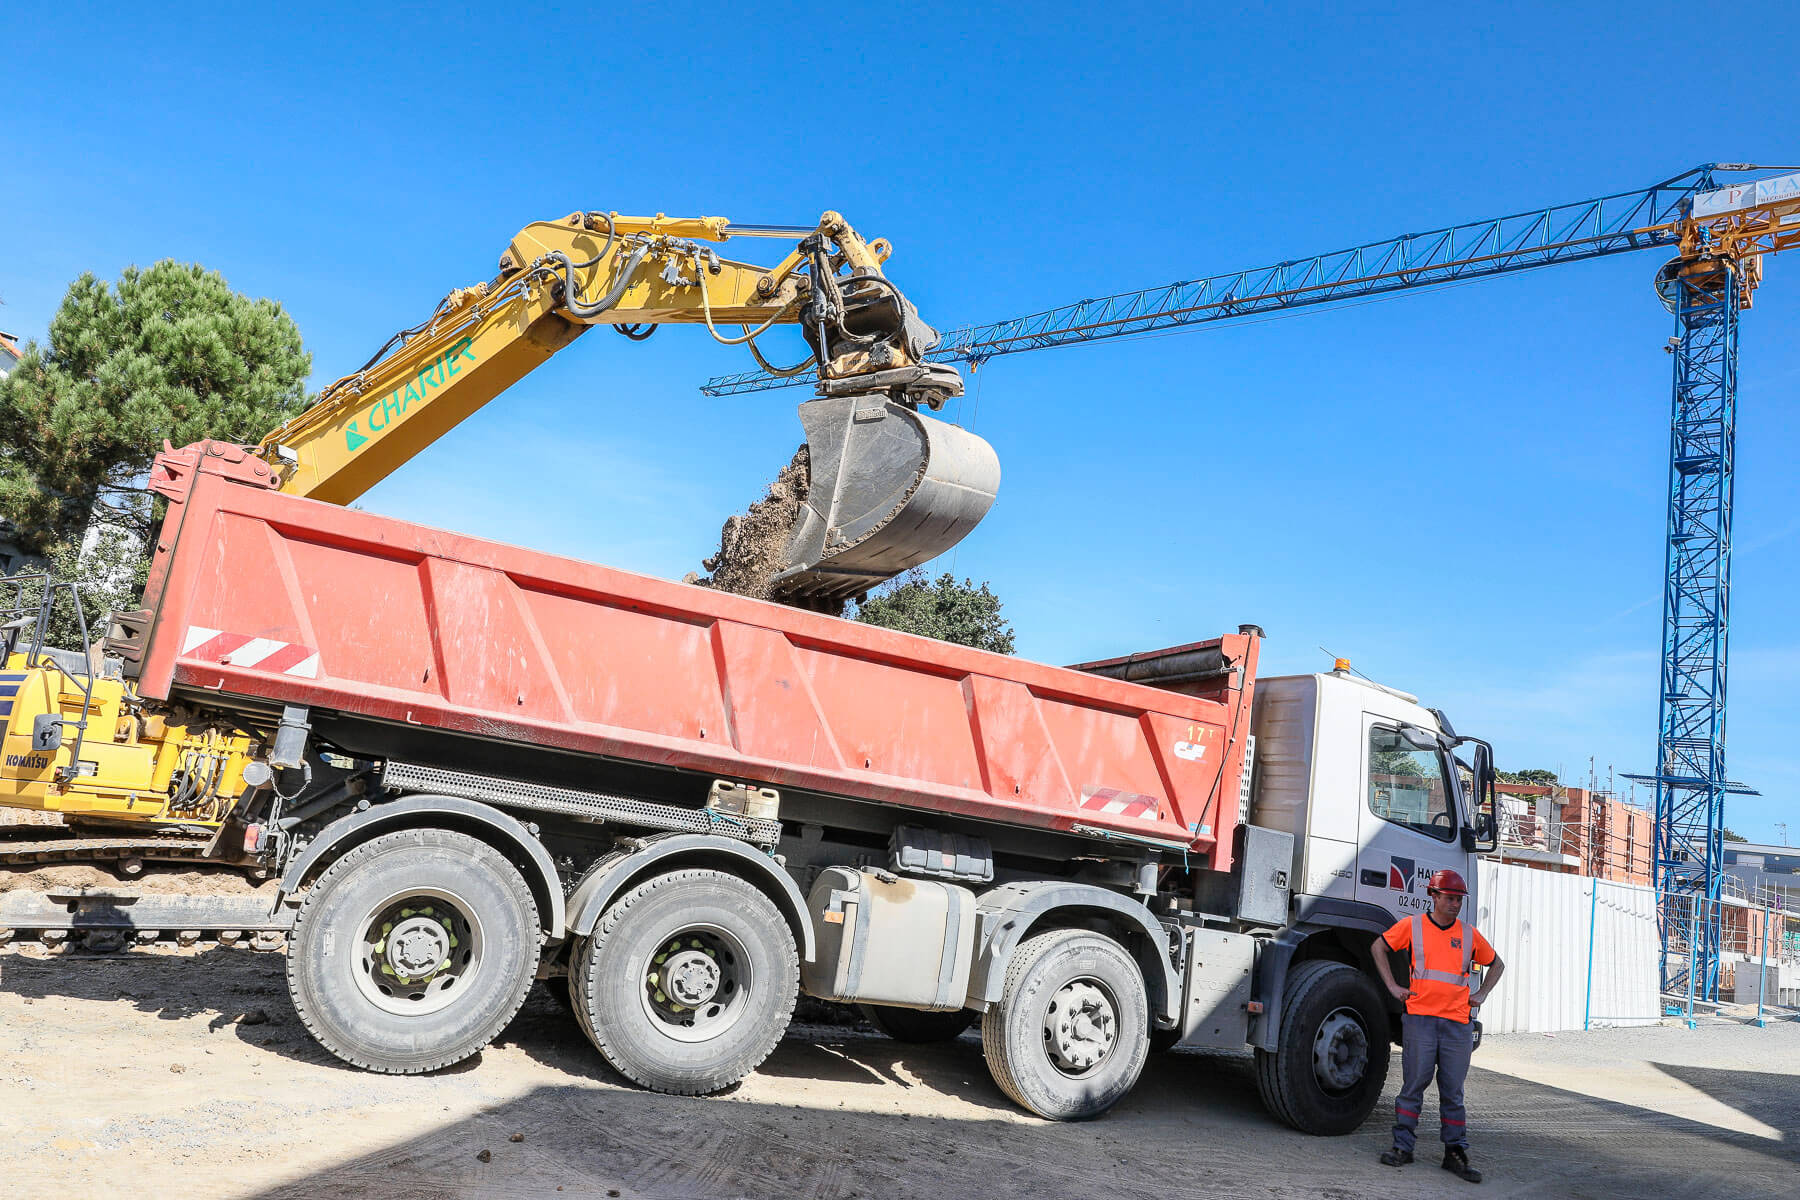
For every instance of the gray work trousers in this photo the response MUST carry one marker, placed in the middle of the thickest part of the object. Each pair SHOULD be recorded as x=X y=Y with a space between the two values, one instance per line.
x=1433 y=1046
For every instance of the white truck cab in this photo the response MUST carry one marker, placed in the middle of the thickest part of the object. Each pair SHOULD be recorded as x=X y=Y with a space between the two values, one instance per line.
x=1356 y=797
x=1365 y=780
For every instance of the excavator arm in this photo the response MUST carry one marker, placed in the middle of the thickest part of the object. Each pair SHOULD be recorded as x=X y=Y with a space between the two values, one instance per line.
x=889 y=486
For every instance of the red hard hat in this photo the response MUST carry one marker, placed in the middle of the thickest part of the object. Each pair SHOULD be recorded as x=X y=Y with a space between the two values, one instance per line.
x=1448 y=882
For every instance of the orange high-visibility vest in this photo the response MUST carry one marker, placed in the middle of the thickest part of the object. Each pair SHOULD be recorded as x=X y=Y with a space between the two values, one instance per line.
x=1442 y=962
x=1421 y=969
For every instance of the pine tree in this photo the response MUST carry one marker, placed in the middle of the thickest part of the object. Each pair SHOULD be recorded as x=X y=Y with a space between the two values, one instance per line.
x=942 y=609
x=171 y=352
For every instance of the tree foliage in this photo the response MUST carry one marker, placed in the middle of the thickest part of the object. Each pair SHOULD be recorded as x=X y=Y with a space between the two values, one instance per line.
x=170 y=352
x=109 y=578
x=940 y=608
x=1534 y=775
x=1732 y=835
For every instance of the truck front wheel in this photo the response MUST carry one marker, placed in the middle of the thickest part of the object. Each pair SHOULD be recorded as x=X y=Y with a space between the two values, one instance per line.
x=1071 y=1030
x=1331 y=1060
x=412 y=951
x=688 y=981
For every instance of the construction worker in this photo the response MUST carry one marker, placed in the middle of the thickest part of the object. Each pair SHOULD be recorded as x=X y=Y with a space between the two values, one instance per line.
x=1436 y=1037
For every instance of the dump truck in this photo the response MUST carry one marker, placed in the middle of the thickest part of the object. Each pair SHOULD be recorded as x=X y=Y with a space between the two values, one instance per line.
x=472 y=766
x=878 y=486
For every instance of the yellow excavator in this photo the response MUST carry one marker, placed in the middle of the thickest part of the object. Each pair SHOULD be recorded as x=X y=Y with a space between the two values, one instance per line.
x=889 y=487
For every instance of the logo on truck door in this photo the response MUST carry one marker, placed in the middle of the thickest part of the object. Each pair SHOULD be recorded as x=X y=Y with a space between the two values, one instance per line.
x=1409 y=877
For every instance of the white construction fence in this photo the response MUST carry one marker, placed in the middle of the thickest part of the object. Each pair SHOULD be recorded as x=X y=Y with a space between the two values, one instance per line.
x=1580 y=952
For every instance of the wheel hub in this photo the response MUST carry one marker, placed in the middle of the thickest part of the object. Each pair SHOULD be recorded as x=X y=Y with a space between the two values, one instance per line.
x=693 y=978
x=1340 y=1050
x=1080 y=1027
x=418 y=945
x=697 y=984
x=417 y=952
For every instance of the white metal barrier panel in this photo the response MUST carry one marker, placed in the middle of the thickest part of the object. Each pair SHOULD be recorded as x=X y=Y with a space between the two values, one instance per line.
x=1580 y=952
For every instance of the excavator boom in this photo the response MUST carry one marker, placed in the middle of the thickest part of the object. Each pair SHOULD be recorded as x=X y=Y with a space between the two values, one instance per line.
x=880 y=486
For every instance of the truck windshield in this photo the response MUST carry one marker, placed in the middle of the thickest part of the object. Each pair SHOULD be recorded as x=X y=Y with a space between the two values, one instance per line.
x=1408 y=786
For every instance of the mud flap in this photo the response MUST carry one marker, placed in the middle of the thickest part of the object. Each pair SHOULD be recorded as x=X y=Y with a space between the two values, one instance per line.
x=891 y=488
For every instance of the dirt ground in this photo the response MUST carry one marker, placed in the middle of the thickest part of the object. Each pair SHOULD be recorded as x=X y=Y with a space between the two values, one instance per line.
x=158 y=1074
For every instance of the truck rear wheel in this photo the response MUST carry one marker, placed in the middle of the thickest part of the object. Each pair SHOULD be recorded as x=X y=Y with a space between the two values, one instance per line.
x=916 y=1025
x=688 y=981
x=1071 y=1031
x=1332 y=1051
x=411 y=952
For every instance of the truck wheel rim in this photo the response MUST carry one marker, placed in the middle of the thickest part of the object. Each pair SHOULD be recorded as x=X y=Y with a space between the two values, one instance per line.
x=697 y=983
x=1340 y=1050
x=1081 y=1026
x=417 y=952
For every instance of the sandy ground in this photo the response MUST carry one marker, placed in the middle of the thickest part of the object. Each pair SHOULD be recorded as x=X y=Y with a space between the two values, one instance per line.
x=157 y=1074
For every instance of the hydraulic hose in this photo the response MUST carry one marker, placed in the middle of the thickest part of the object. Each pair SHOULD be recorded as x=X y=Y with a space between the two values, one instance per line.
x=750 y=335
x=583 y=309
x=778 y=372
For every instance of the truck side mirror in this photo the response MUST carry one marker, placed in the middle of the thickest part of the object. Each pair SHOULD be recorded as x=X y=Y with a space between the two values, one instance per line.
x=1484 y=814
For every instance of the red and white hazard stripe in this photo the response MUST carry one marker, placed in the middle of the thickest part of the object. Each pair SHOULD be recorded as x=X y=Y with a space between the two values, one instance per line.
x=241 y=650
x=1112 y=802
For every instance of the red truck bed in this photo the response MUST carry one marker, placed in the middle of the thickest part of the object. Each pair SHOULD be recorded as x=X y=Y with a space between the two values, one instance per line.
x=264 y=595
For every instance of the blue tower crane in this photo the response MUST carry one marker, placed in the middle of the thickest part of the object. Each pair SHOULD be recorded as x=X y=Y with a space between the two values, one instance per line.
x=1718 y=234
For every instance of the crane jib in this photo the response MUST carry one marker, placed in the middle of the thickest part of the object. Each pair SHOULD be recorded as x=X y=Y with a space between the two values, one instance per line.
x=390 y=408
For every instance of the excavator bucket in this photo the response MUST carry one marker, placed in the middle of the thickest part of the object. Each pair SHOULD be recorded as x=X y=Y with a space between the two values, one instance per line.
x=890 y=488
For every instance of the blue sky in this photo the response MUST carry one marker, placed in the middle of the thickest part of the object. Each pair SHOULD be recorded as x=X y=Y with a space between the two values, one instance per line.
x=1463 y=491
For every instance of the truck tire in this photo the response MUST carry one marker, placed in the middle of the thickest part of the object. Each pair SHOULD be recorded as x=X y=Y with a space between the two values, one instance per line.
x=413 y=951
x=915 y=1025
x=1331 y=1059
x=1070 y=1033
x=687 y=982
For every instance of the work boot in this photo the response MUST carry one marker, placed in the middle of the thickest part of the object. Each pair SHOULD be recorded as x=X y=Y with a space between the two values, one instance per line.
x=1456 y=1161
x=1394 y=1156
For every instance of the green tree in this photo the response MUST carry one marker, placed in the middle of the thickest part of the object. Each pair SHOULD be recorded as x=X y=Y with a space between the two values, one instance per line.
x=170 y=352
x=1731 y=835
x=1535 y=775
x=108 y=578
x=943 y=609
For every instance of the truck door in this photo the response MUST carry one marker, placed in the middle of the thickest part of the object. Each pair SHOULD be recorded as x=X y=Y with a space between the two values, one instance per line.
x=1408 y=824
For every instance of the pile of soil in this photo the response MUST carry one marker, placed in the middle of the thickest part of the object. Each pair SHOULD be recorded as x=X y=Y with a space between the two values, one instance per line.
x=753 y=544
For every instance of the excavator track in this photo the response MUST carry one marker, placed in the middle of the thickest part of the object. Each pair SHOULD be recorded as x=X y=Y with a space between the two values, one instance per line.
x=104 y=918
x=128 y=853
